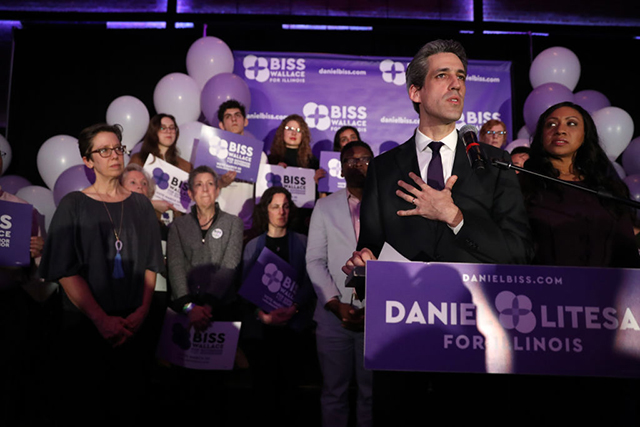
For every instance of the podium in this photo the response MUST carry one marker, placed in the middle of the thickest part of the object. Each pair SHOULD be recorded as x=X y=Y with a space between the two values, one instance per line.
x=516 y=319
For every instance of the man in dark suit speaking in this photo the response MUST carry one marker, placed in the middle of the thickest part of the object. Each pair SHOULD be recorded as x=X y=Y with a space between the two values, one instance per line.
x=423 y=197
x=427 y=202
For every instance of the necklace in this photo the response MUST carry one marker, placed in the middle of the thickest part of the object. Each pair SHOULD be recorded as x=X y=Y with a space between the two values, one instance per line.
x=118 y=272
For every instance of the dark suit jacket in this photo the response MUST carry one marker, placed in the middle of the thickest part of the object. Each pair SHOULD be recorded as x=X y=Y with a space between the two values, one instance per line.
x=495 y=230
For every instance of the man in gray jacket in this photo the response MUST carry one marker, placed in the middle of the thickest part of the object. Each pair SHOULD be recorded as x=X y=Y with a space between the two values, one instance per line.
x=333 y=235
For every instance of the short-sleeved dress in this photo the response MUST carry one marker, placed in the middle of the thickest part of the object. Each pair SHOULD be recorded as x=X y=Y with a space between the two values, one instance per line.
x=81 y=241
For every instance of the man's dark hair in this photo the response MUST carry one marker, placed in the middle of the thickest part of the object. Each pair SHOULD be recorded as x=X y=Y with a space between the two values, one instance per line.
x=232 y=103
x=352 y=145
x=419 y=66
x=85 y=139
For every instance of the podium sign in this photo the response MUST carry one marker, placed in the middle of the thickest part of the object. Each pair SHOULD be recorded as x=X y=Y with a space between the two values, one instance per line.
x=502 y=319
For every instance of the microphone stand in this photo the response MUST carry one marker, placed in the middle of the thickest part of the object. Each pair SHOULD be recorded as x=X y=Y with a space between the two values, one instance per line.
x=600 y=193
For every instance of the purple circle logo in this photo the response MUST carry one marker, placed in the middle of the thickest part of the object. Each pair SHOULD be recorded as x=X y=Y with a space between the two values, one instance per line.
x=272 y=277
x=161 y=178
x=273 y=180
x=515 y=312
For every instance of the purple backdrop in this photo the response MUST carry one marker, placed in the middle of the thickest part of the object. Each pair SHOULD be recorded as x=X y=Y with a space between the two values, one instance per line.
x=368 y=93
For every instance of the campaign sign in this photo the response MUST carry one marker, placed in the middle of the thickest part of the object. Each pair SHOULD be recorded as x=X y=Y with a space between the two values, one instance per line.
x=333 y=181
x=172 y=183
x=502 y=319
x=212 y=349
x=271 y=283
x=299 y=182
x=16 y=221
x=226 y=151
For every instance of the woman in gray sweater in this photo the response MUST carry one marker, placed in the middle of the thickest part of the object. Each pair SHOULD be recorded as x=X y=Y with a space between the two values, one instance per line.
x=203 y=252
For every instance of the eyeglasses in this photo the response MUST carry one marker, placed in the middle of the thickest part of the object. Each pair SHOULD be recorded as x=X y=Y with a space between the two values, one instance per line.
x=496 y=132
x=168 y=128
x=106 y=151
x=296 y=130
x=357 y=161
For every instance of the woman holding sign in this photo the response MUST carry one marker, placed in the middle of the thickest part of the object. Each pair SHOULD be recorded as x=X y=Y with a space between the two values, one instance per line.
x=292 y=147
x=104 y=249
x=160 y=141
x=279 y=344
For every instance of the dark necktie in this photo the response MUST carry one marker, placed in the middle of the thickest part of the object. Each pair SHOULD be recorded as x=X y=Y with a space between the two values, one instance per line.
x=435 y=177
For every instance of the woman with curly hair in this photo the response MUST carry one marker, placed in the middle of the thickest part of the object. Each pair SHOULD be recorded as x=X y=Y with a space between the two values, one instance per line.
x=292 y=144
x=573 y=227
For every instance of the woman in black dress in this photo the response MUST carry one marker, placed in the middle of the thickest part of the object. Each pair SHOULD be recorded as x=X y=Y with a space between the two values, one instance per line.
x=104 y=249
x=572 y=227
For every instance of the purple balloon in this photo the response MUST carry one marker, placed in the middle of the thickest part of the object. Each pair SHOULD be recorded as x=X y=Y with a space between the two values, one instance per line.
x=13 y=183
x=591 y=100
x=220 y=88
x=73 y=179
x=136 y=148
x=90 y=174
x=633 y=182
x=631 y=157
x=540 y=99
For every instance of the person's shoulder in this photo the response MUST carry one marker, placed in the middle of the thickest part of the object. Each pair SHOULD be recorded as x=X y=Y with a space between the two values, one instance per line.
x=392 y=153
x=230 y=218
x=332 y=199
x=184 y=164
x=137 y=159
x=302 y=238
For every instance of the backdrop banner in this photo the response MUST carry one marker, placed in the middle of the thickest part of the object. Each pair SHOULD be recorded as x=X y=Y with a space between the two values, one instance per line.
x=368 y=93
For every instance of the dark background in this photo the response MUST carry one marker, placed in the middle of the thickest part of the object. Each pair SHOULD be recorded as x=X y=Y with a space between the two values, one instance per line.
x=65 y=75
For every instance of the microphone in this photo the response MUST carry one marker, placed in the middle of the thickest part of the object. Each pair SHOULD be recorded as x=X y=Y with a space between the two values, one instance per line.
x=473 y=149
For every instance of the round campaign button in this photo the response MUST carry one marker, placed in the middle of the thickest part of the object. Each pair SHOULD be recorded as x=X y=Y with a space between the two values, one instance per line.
x=216 y=233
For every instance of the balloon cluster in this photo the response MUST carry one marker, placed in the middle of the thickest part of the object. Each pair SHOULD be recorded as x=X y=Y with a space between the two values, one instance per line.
x=188 y=97
x=554 y=74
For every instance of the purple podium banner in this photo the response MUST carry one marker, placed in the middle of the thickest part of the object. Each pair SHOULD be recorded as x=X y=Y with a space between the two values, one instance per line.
x=16 y=222
x=333 y=181
x=226 y=151
x=368 y=93
x=502 y=319
x=271 y=283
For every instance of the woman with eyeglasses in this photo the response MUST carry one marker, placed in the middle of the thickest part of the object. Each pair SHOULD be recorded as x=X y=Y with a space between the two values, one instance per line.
x=292 y=147
x=104 y=249
x=494 y=132
x=292 y=144
x=160 y=141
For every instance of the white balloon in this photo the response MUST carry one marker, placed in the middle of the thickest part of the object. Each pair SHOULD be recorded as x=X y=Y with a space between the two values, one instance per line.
x=179 y=95
x=188 y=132
x=42 y=199
x=132 y=115
x=6 y=160
x=55 y=156
x=523 y=133
x=615 y=129
x=555 y=65
x=208 y=57
x=517 y=143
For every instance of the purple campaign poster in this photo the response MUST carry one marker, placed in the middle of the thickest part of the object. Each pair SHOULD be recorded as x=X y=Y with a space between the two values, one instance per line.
x=333 y=181
x=271 y=283
x=369 y=93
x=226 y=151
x=211 y=349
x=502 y=319
x=16 y=221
